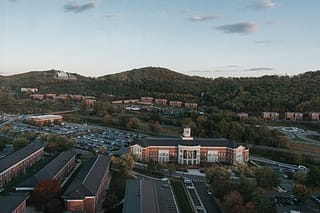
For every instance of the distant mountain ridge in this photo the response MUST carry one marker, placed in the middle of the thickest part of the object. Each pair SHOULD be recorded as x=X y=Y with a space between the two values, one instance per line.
x=267 y=93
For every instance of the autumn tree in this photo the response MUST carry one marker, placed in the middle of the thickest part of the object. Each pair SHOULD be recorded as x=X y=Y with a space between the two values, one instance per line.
x=301 y=192
x=46 y=196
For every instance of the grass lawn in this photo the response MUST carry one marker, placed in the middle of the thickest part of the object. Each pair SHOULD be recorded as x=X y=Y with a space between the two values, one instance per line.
x=181 y=196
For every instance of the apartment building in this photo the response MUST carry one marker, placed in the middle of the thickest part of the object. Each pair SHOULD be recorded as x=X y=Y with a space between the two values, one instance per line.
x=57 y=169
x=294 y=116
x=270 y=115
x=85 y=192
x=13 y=203
x=16 y=163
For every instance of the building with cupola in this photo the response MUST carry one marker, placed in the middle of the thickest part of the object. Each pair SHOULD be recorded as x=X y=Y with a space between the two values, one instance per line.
x=190 y=151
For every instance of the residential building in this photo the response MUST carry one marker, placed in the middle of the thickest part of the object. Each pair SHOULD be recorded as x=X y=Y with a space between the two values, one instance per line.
x=130 y=101
x=191 y=105
x=147 y=99
x=294 y=116
x=76 y=97
x=161 y=101
x=50 y=96
x=144 y=196
x=42 y=120
x=175 y=103
x=38 y=97
x=270 y=115
x=314 y=116
x=57 y=169
x=190 y=151
x=243 y=115
x=85 y=192
x=29 y=90
x=16 y=163
x=13 y=203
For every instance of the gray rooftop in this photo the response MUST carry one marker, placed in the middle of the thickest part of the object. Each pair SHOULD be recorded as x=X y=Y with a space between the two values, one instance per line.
x=207 y=142
x=19 y=155
x=10 y=202
x=50 y=170
x=87 y=182
x=132 y=200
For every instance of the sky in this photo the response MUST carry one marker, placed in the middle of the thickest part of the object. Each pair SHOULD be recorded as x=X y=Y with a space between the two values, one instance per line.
x=209 y=38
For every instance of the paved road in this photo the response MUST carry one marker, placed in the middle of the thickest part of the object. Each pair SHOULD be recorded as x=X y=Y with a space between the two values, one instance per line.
x=206 y=199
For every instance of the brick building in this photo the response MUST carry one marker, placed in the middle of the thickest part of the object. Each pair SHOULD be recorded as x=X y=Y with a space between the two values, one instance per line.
x=191 y=105
x=42 y=120
x=16 y=163
x=190 y=151
x=85 y=192
x=270 y=115
x=38 y=97
x=175 y=103
x=314 y=116
x=294 y=116
x=57 y=169
x=13 y=203
x=161 y=101
x=243 y=115
x=147 y=99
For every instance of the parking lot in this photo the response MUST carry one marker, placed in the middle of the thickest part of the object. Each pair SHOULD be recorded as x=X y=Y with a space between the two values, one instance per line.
x=88 y=137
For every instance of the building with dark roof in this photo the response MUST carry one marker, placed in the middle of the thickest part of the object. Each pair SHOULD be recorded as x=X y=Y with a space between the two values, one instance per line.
x=85 y=192
x=13 y=203
x=57 y=169
x=16 y=163
x=190 y=151
x=146 y=195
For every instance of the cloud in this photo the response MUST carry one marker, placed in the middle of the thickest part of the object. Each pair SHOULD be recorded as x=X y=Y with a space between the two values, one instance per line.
x=263 y=4
x=204 y=18
x=268 y=41
x=242 y=28
x=111 y=15
x=77 y=8
x=260 y=69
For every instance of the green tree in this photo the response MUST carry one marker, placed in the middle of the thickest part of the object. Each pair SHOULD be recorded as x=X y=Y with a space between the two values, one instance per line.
x=267 y=178
x=153 y=166
x=19 y=143
x=123 y=164
x=154 y=126
x=301 y=192
x=313 y=176
x=262 y=202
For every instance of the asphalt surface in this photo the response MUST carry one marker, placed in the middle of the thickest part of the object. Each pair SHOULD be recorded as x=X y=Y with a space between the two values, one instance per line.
x=206 y=199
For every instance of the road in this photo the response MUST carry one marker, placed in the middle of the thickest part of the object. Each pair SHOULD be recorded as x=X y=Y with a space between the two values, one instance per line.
x=206 y=199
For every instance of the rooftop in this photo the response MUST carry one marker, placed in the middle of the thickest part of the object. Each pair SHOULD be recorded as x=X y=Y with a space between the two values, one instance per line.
x=19 y=155
x=46 y=117
x=206 y=142
x=10 y=202
x=50 y=170
x=87 y=182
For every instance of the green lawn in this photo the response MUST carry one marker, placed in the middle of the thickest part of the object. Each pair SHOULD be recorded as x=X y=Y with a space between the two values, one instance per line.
x=181 y=196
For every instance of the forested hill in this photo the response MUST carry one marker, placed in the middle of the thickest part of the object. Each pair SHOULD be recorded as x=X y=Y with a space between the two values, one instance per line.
x=274 y=93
